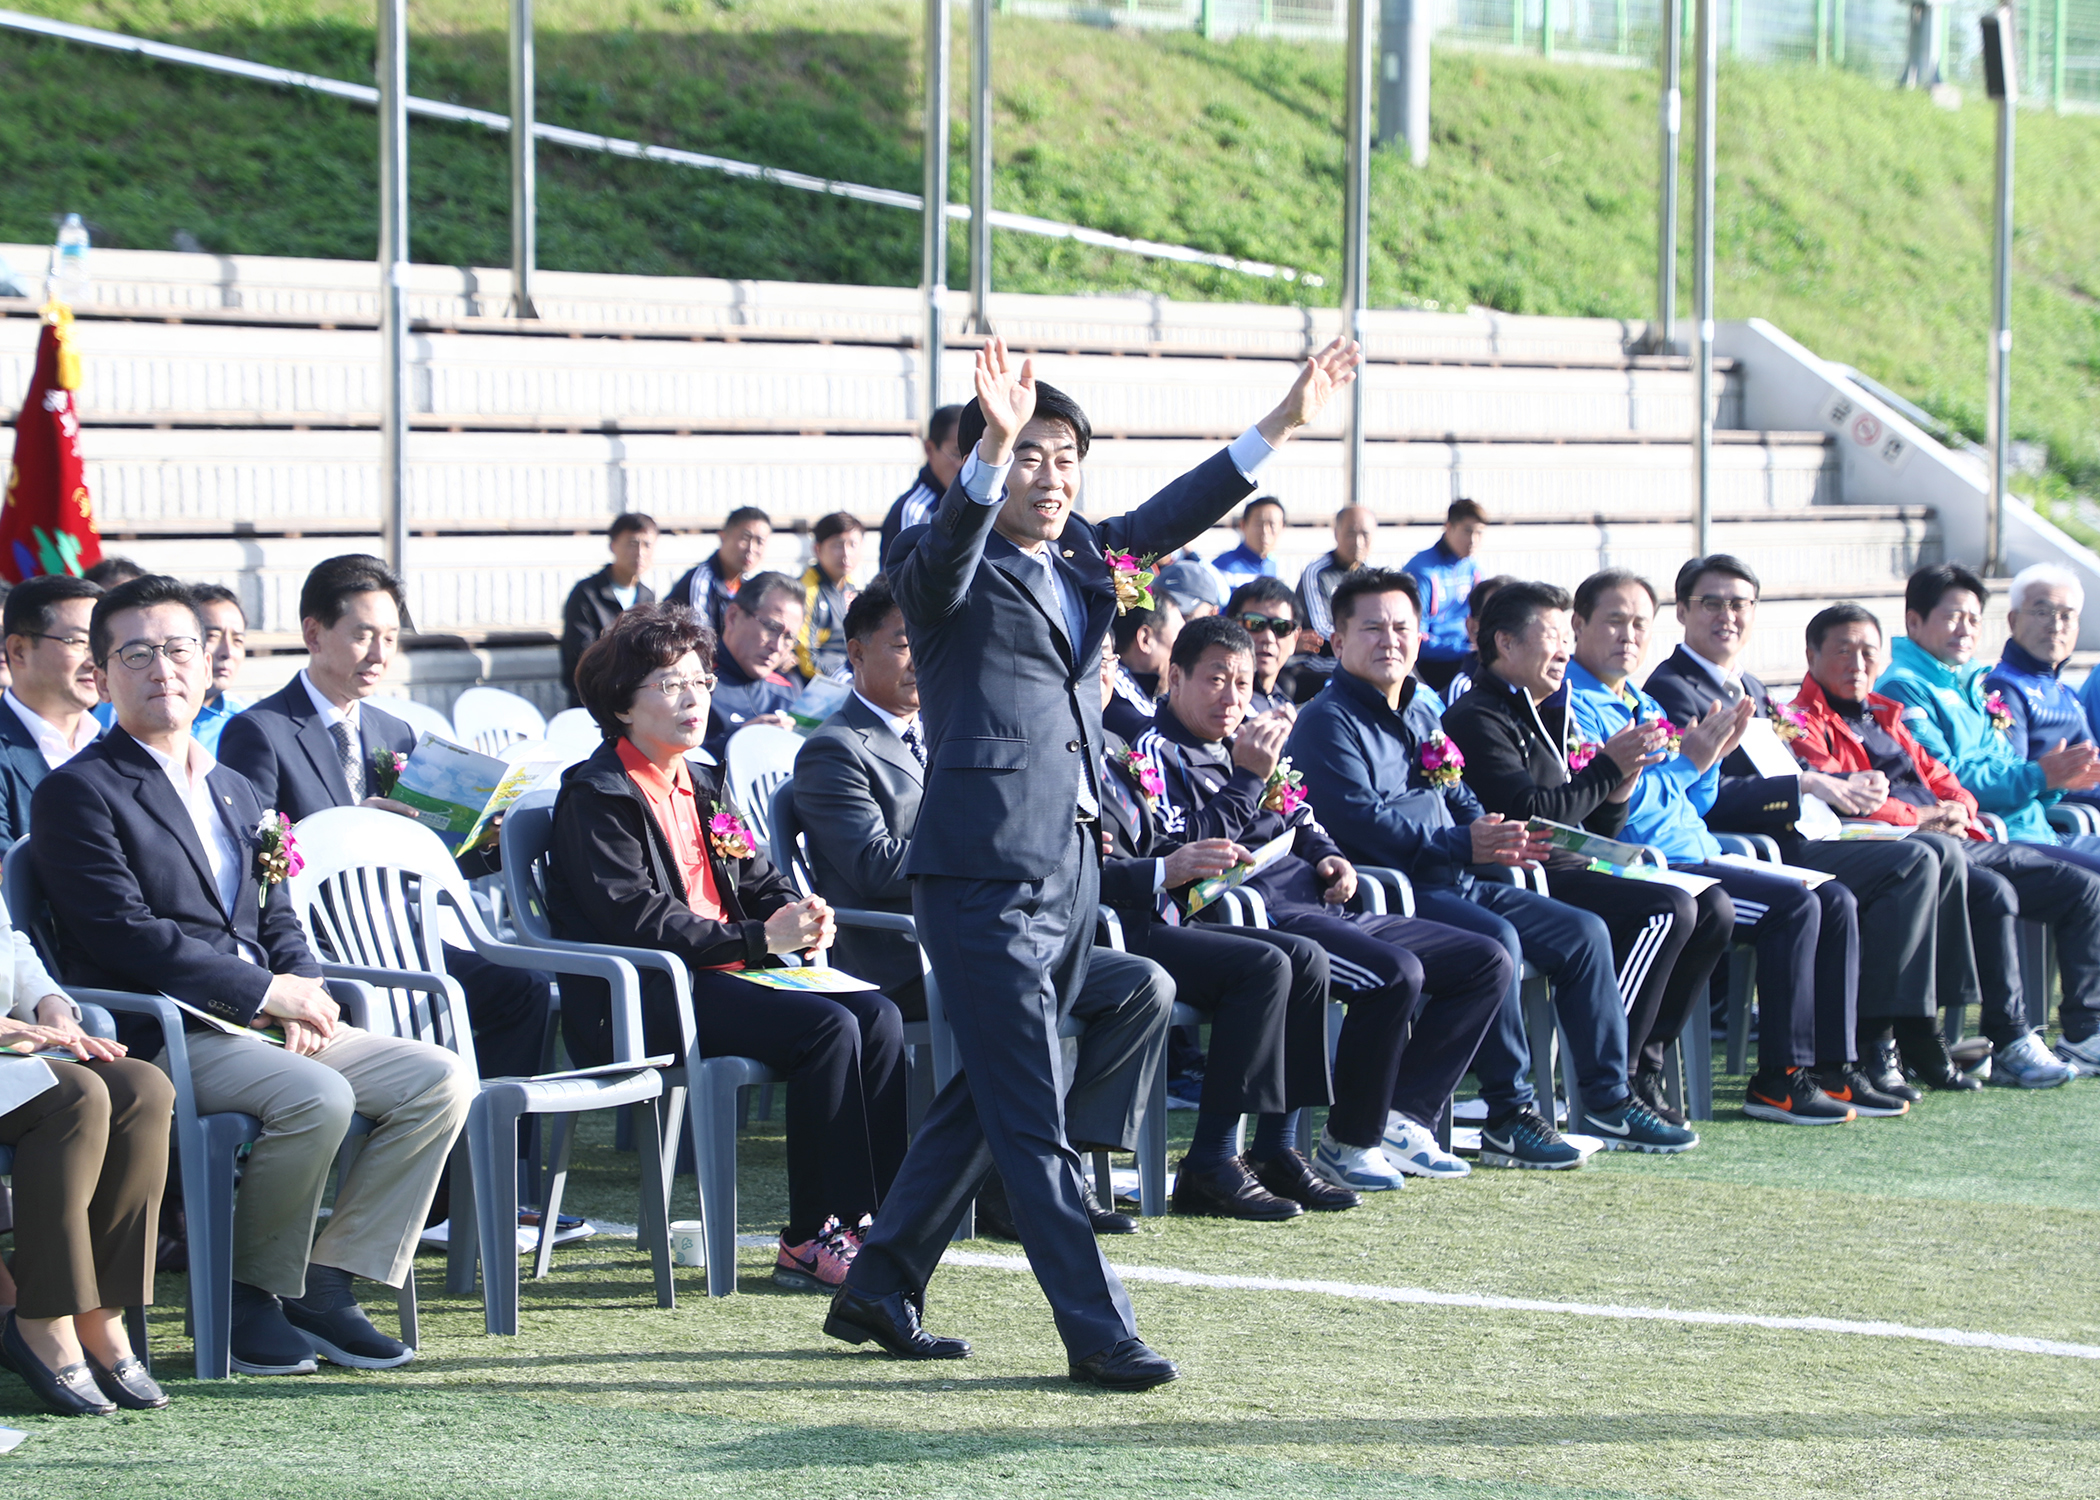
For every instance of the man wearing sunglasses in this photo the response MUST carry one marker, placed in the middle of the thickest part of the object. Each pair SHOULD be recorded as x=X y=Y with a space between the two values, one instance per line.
x=1267 y=609
x=47 y=718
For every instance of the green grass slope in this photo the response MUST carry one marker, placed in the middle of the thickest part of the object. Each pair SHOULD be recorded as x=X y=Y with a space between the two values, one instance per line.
x=1850 y=214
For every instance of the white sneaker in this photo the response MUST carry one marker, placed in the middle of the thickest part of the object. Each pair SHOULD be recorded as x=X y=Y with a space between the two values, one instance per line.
x=1412 y=1148
x=2083 y=1058
x=2029 y=1064
x=1363 y=1168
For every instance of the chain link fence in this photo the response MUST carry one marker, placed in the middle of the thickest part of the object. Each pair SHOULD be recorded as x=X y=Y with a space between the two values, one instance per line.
x=2059 y=39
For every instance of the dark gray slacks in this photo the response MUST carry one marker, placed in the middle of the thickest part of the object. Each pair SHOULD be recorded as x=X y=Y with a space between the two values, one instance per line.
x=1126 y=1002
x=1903 y=890
x=2045 y=888
x=1010 y=957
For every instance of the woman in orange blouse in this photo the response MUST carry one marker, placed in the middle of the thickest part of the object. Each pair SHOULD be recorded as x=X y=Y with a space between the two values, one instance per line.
x=649 y=853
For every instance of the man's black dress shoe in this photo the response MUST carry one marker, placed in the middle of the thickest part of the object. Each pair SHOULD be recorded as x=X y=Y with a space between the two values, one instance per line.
x=1228 y=1191
x=1111 y=1221
x=1129 y=1366
x=69 y=1392
x=1925 y=1054
x=129 y=1385
x=891 y=1321
x=1290 y=1175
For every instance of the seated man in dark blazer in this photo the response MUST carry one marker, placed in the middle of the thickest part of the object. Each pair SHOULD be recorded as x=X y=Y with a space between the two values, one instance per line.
x=600 y=599
x=857 y=788
x=46 y=713
x=757 y=650
x=311 y=745
x=155 y=862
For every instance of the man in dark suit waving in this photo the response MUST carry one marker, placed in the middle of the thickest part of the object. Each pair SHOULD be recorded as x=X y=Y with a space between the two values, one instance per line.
x=1007 y=598
x=311 y=745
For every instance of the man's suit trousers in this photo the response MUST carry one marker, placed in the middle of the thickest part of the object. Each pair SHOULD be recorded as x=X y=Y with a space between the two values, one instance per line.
x=1652 y=929
x=1807 y=962
x=1125 y=1004
x=1904 y=892
x=1264 y=992
x=2008 y=882
x=417 y=1093
x=1010 y=957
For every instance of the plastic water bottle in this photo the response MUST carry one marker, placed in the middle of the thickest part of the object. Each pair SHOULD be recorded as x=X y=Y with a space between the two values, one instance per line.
x=69 y=261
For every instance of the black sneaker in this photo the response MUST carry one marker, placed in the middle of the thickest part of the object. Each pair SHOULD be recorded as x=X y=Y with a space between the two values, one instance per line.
x=1648 y=1088
x=337 y=1327
x=264 y=1342
x=1883 y=1067
x=1524 y=1139
x=1792 y=1098
x=1846 y=1084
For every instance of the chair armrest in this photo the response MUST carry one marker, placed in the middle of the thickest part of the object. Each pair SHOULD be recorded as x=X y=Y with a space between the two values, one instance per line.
x=370 y=982
x=96 y=1021
x=356 y=1000
x=616 y=966
x=2071 y=817
x=877 y=921
x=153 y=1008
x=1754 y=845
x=1994 y=825
x=1391 y=884
x=640 y=958
x=1114 y=924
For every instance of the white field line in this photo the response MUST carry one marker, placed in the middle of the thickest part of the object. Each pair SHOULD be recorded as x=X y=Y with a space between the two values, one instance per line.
x=1479 y=1301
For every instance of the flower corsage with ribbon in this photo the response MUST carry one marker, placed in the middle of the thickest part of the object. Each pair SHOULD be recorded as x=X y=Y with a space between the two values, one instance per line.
x=386 y=771
x=1145 y=772
x=1132 y=578
x=1673 y=737
x=727 y=833
x=1789 y=723
x=1581 y=752
x=1284 y=792
x=1442 y=762
x=277 y=856
x=2001 y=716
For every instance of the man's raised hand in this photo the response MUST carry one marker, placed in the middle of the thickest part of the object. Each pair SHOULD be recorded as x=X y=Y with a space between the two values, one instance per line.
x=1716 y=734
x=1318 y=379
x=1006 y=396
x=1259 y=744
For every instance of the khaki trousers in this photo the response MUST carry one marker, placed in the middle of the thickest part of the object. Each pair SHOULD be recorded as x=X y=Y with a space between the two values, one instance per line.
x=417 y=1095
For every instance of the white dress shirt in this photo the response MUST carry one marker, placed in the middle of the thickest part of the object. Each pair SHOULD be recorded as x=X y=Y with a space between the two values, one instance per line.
x=220 y=850
x=897 y=724
x=330 y=714
x=51 y=744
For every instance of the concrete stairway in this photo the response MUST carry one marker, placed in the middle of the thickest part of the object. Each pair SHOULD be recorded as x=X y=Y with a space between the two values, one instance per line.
x=231 y=410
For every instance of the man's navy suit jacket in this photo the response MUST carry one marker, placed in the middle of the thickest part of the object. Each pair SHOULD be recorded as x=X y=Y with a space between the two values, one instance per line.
x=1011 y=704
x=131 y=892
x=1746 y=801
x=22 y=769
x=282 y=745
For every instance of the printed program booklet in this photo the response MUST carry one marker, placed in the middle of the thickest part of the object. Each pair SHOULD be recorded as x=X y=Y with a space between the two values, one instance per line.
x=459 y=791
x=1612 y=857
x=824 y=697
x=1203 y=892
x=806 y=980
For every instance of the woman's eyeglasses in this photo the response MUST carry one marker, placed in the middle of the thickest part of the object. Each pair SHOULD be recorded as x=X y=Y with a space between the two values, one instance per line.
x=675 y=688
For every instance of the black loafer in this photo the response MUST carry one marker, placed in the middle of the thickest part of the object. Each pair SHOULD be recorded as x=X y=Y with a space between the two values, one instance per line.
x=1291 y=1176
x=1129 y=1366
x=1229 y=1191
x=1111 y=1221
x=891 y=1321
x=129 y=1385
x=69 y=1392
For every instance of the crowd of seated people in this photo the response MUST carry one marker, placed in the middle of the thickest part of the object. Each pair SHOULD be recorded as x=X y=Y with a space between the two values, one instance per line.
x=1429 y=721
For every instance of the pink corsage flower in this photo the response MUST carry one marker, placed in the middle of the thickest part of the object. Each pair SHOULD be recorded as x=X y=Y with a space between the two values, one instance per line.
x=1132 y=578
x=386 y=770
x=1151 y=785
x=1673 y=737
x=1284 y=791
x=277 y=856
x=731 y=839
x=2001 y=716
x=1442 y=762
x=1581 y=753
x=1789 y=723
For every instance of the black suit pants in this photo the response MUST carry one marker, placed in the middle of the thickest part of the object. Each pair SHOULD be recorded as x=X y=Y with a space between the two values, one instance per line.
x=2042 y=887
x=1265 y=993
x=1904 y=892
x=1010 y=957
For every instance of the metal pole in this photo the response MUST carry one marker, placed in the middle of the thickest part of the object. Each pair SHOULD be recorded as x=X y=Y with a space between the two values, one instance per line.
x=1998 y=415
x=2056 y=57
x=933 y=260
x=980 y=166
x=1356 y=231
x=1709 y=44
x=524 y=188
x=1403 y=77
x=1664 y=338
x=393 y=273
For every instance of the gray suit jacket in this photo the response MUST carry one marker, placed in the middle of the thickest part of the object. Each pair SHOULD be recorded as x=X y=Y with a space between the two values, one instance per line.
x=1012 y=704
x=857 y=790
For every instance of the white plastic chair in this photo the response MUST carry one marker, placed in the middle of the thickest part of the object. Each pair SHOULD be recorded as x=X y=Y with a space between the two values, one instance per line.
x=517 y=752
x=760 y=758
x=420 y=717
x=489 y=718
x=370 y=897
x=574 y=727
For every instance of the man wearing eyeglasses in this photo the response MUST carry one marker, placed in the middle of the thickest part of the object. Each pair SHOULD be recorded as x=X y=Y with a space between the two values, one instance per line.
x=2045 y=602
x=1915 y=905
x=48 y=717
x=759 y=627
x=148 y=851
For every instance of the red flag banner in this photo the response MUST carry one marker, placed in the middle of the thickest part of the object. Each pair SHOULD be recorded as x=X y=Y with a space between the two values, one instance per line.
x=49 y=523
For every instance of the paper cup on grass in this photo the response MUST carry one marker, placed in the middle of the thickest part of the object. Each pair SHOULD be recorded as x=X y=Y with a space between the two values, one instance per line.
x=688 y=1243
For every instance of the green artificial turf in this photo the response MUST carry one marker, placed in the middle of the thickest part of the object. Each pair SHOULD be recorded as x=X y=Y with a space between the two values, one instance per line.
x=1976 y=1213
x=1851 y=214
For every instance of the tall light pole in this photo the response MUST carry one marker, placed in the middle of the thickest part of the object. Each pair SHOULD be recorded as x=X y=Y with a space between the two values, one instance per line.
x=1356 y=232
x=1709 y=42
x=2000 y=84
x=393 y=274
x=1662 y=339
x=980 y=166
x=524 y=195
x=933 y=257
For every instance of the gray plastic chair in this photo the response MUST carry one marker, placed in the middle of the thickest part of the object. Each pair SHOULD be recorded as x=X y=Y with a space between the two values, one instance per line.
x=371 y=898
x=713 y=1082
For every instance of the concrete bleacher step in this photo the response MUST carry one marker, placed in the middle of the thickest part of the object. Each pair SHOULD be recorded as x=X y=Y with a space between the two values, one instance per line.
x=186 y=375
